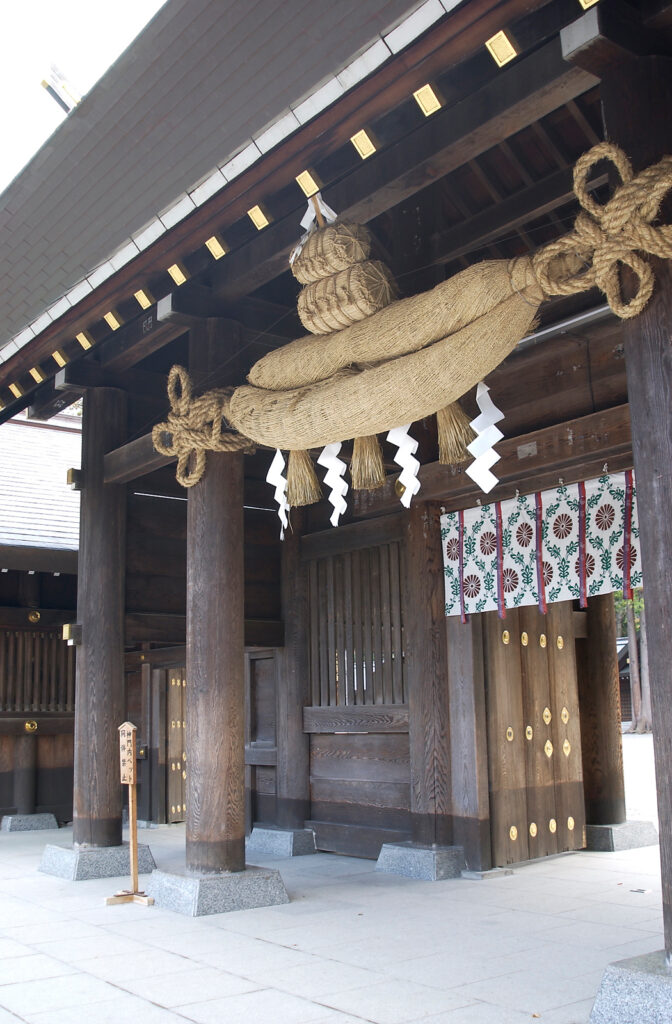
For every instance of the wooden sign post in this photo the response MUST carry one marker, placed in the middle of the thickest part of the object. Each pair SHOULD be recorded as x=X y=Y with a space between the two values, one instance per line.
x=127 y=733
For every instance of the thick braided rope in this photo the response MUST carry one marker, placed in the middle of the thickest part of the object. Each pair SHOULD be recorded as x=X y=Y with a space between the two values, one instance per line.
x=194 y=426
x=606 y=236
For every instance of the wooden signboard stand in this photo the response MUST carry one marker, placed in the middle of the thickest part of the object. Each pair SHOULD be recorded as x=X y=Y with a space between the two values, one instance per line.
x=127 y=733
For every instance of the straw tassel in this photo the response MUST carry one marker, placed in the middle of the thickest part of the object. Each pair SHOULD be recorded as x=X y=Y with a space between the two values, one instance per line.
x=366 y=467
x=455 y=434
x=303 y=487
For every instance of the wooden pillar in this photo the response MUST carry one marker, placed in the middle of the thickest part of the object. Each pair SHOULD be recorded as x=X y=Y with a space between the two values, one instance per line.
x=25 y=773
x=99 y=693
x=215 y=641
x=425 y=660
x=600 y=711
x=637 y=100
x=293 y=681
x=468 y=741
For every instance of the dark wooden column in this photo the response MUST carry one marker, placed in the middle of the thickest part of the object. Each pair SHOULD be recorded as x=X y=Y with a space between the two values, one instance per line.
x=468 y=741
x=215 y=651
x=25 y=773
x=637 y=102
x=99 y=694
x=425 y=660
x=293 y=681
x=600 y=712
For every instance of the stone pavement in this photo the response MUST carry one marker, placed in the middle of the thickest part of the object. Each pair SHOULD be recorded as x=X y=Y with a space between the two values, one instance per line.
x=353 y=945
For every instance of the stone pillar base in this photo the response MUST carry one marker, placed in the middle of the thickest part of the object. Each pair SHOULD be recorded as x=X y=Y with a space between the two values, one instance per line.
x=627 y=836
x=281 y=842
x=80 y=864
x=197 y=895
x=635 y=990
x=430 y=863
x=27 y=822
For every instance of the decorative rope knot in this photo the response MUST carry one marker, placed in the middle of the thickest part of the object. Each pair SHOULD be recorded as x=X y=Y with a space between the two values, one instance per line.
x=605 y=236
x=194 y=426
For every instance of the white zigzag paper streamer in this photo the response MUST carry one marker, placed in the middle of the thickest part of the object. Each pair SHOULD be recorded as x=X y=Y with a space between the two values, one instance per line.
x=334 y=479
x=405 y=458
x=308 y=222
x=487 y=435
x=276 y=478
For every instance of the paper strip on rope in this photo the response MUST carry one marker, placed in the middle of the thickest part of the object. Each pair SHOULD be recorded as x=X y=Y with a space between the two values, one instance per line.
x=571 y=542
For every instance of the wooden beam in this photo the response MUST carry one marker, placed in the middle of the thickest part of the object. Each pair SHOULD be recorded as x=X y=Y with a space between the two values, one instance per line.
x=636 y=102
x=607 y=36
x=137 y=340
x=134 y=459
x=574 y=450
x=468 y=741
x=352 y=537
x=50 y=618
x=517 y=97
x=171 y=629
x=507 y=215
x=25 y=558
x=600 y=712
x=425 y=665
x=99 y=688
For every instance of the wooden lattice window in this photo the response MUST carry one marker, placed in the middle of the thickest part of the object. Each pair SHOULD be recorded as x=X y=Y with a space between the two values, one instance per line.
x=37 y=671
x=356 y=628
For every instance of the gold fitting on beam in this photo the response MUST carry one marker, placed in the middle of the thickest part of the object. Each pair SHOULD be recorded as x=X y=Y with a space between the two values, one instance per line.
x=73 y=479
x=72 y=632
x=364 y=143
x=501 y=49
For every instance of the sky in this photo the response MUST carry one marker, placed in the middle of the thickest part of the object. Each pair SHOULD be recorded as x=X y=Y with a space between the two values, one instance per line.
x=81 y=37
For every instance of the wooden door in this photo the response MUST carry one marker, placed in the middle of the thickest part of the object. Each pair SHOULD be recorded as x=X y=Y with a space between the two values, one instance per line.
x=534 y=743
x=261 y=748
x=358 y=721
x=176 y=759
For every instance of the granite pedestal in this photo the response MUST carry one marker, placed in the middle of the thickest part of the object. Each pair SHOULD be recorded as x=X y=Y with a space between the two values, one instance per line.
x=635 y=991
x=629 y=835
x=197 y=895
x=281 y=842
x=78 y=864
x=430 y=863
x=27 y=822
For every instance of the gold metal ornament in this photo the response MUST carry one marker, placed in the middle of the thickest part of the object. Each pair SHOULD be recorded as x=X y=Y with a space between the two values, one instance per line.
x=506 y=637
x=529 y=732
x=566 y=748
x=564 y=715
x=553 y=825
x=547 y=716
x=172 y=810
x=509 y=734
x=172 y=767
x=533 y=829
x=34 y=616
x=542 y=640
x=30 y=725
x=548 y=748
x=560 y=643
x=524 y=639
x=570 y=823
x=184 y=775
x=513 y=833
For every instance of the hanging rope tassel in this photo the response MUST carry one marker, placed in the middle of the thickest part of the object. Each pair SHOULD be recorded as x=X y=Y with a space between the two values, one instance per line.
x=455 y=434
x=367 y=471
x=303 y=487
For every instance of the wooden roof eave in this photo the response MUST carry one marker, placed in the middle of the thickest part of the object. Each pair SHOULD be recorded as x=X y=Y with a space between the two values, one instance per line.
x=452 y=41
